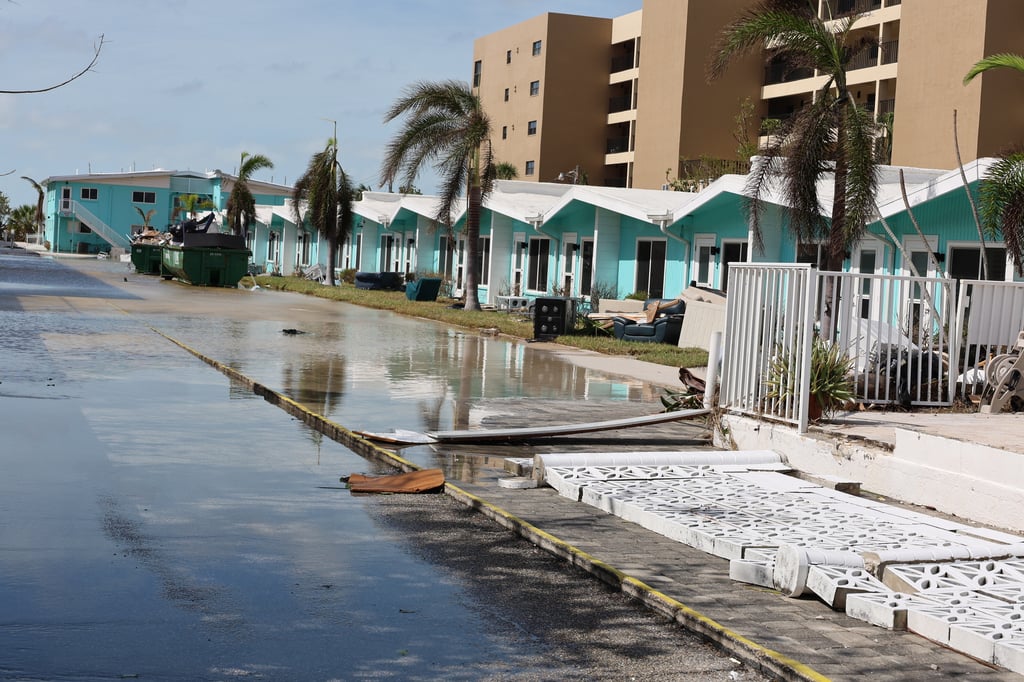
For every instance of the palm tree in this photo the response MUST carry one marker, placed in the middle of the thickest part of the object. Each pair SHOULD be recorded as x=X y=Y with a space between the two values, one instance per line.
x=1001 y=195
x=22 y=222
x=193 y=203
x=830 y=134
x=327 y=193
x=505 y=171
x=445 y=125
x=40 y=217
x=241 y=206
x=146 y=216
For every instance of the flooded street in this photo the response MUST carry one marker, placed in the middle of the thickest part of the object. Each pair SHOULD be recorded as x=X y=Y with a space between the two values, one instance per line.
x=157 y=522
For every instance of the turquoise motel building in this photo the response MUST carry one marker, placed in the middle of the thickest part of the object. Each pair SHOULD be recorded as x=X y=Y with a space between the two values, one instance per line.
x=544 y=239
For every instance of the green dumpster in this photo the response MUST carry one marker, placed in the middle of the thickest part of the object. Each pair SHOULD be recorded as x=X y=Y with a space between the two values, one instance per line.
x=146 y=258
x=207 y=266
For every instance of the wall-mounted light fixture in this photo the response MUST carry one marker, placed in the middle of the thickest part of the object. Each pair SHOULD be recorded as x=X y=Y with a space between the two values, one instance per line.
x=939 y=256
x=523 y=245
x=411 y=241
x=574 y=247
x=715 y=251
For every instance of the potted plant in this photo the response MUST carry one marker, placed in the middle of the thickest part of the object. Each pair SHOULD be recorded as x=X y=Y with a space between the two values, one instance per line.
x=831 y=382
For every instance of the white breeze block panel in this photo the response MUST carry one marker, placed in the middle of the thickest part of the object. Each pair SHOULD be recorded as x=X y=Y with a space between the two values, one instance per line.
x=1009 y=653
x=835 y=583
x=884 y=609
x=954 y=584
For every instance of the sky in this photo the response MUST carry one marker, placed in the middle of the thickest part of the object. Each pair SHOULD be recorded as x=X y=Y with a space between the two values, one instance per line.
x=191 y=84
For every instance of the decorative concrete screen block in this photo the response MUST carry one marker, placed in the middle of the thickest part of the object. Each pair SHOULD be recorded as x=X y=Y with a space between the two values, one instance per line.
x=979 y=639
x=679 y=458
x=884 y=609
x=753 y=573
x=933 y=622
x=963 y=574
x=1009 y=653
x=833 y=584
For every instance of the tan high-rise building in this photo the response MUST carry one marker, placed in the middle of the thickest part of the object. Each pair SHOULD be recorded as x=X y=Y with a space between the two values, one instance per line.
x=621 y=101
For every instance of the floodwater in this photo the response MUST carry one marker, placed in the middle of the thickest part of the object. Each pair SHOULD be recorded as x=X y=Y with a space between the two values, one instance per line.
x=157 y=522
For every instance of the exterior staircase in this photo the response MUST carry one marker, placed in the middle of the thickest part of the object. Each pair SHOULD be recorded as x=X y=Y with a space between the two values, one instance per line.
x=87 y=217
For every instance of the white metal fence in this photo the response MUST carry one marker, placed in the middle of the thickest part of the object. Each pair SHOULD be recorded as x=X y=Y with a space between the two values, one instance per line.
x=989 y=316
x=769 y=321
x=894 y=329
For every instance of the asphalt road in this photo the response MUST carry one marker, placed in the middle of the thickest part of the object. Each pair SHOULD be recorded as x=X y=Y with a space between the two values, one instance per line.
x=156 y=522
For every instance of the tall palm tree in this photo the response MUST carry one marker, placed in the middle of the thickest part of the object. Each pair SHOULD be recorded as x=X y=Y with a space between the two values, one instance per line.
x=40 y=217
x=241 y=206
x=830 y=134
x=1001 y=195
x=326 y=191
x=445 y=125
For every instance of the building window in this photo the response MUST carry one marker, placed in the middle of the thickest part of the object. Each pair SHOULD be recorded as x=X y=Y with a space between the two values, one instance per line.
x=478 y=67
x=273 y=246
x=537 y=265
x=506 y=94
x=508 y=56
x=531 y=128
x=530 y=167
x=536 y=47
x=732 y=252
x=144 y=197
x=650 y=267
x=89 y=193
x=504 y=132
x=483 y=262
x=534 y=88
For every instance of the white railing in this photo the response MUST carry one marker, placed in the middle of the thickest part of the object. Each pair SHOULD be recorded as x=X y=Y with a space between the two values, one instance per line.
x=107 y=233
x=769 y=319
x=894 y=329
x=989 y=316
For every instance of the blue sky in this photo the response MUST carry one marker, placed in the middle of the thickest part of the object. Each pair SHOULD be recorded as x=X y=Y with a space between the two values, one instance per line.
x=190 y=84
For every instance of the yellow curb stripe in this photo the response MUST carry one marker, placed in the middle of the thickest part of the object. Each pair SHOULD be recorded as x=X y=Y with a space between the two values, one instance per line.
x=754 y=654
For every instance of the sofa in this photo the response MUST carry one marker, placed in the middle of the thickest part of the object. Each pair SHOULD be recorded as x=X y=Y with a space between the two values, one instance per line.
x=423 y=289
x=664 y=321
x=393 y=281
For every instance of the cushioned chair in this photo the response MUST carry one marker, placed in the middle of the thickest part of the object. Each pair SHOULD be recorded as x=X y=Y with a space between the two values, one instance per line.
x=423 y=289
x=665 y=320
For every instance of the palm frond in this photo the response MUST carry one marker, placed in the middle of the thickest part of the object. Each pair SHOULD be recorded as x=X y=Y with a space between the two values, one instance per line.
x=995 y=61
x=1001 y=205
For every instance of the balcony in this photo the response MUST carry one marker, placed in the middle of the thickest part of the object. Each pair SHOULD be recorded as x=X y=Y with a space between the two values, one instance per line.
x=777 y=72
x=617 y=104
x=617 y=145
x=622 y=64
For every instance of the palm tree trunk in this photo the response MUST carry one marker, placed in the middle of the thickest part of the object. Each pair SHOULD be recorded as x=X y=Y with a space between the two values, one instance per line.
x=473 y=206
x=332 y=253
